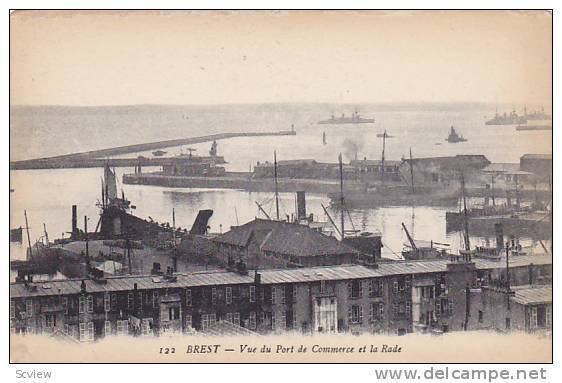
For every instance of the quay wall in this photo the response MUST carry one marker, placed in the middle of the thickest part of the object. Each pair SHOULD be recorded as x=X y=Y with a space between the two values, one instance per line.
x=241 y=181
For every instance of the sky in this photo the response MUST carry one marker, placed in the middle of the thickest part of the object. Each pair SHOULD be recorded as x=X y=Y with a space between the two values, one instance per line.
x=140 y=57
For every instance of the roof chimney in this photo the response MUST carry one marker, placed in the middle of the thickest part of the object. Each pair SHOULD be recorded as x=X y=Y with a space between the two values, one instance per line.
x=83 y=286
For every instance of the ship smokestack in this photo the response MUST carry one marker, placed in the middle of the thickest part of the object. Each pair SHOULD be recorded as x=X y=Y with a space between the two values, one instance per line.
x=301 y=205
x=74 y=221
x=499 y=235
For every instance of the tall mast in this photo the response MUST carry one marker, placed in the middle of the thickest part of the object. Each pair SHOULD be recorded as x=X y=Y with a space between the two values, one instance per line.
x=28 y=238
x=175 y=260
x=465 y=215
x=276 y=186
x=382 y=162
x=341 y=198
x=46 y=235
x=87 y=246
x=412 y=170
x=493 y=192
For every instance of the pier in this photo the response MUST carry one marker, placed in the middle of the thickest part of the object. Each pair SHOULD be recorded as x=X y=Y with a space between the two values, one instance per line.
x=97 y=158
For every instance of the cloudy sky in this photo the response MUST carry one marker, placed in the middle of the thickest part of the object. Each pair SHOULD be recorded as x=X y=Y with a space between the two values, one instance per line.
x=111 y=58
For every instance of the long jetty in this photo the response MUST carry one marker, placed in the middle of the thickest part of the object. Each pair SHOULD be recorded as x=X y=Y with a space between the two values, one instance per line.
x=98 y=158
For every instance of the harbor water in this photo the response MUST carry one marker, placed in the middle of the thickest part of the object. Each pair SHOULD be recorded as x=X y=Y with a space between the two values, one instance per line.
x=47 y=195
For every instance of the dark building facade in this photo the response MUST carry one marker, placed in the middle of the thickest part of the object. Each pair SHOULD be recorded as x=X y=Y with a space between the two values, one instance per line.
x=393 y=297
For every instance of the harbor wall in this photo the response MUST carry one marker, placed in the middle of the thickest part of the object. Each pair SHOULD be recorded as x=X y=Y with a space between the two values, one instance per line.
x=95 y=158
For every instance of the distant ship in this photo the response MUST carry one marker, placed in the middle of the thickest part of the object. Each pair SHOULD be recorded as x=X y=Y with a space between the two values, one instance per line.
x=382 y=135
x=454 y=137
x=354 y=119
x=158 y=153
x=536 y=115
x=507 y=119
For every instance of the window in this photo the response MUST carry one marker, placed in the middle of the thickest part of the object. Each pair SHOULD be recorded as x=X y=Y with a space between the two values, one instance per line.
x=376 y=288
x=450 y=306
x=395 y=287
x=252 y=320
x=228 y=295
x=355 y=314
x=188 y=321
x=208 y=320
x=173 y=313
x=322 y=286
x=107 y=302
x=282 y=321
x=252 y=293
x=214 y=295
x=295 y=292
x=354 y=289
x=273 y=292
x=83 y=332
x=283 y=295
x=107 y=328
x=82 y=304
x=273 y=321
x=29 y=308
x=548 y=316
x=188 y=299
x=50 y=320
x=122 y=327
x=146 y=326
x=395 y=309
x=408 y=308
x=155 y=299
x=130 y=301
x=233 y=318
x=114 y=301
x=139 y=300
x=65 y=304
x=90 y=303
x=480 y=316
x=12 y=309
x=86 y=331
x=376 y=311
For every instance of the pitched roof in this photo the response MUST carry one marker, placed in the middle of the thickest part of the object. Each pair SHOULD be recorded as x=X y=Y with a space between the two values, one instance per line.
x=374 y=162
x=507 y=168
x=301 y=275
x=532 y=294
x=459 y=161
x=537 y=156
x=284 y=238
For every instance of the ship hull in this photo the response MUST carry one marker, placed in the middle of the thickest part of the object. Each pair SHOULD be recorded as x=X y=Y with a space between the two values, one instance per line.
x=340 y=122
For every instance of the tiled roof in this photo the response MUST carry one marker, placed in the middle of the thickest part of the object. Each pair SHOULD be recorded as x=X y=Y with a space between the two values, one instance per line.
x=284 y=238
x=532 y=294
x=537 y=156
x=301 y=275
